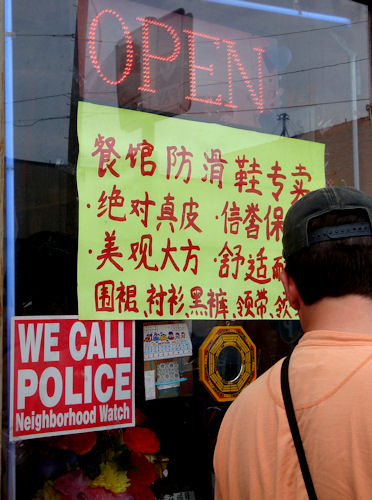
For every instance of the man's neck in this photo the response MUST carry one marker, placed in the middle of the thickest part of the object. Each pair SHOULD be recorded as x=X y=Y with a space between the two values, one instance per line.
x=350 y=313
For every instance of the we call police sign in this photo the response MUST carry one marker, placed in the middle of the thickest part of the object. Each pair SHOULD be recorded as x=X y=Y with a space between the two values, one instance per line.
x=70 y=376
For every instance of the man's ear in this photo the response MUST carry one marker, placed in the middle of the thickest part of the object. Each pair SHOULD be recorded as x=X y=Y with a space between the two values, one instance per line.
x=291 y=290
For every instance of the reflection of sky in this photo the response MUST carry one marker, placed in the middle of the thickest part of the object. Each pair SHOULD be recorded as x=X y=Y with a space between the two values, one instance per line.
x=43 y=43
x=307 y=69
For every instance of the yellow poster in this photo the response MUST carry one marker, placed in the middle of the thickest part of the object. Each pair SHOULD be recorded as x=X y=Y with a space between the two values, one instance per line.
x=183 y=220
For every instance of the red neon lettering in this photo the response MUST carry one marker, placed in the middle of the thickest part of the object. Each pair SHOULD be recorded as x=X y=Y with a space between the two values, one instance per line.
x=147 y=56
x=148 y=39
x=232 y=55
x=259 y=53
x=194 y=67
x=93 y=50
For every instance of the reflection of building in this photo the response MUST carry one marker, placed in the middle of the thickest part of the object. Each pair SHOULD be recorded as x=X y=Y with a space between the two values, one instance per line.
x=340 y=154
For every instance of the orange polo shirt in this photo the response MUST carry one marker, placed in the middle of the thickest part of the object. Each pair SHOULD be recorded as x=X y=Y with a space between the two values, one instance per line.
x=330 y=376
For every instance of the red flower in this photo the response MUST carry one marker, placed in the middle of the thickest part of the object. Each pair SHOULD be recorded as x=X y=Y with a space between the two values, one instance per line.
x=143 y=473
x=141 y=440
x=79 y=443
x=72 y=483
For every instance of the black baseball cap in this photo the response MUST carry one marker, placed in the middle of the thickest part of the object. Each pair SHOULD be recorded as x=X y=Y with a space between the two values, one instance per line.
x=319 y=202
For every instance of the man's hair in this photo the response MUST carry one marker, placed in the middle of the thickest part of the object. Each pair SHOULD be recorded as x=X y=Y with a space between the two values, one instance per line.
x=333 y=268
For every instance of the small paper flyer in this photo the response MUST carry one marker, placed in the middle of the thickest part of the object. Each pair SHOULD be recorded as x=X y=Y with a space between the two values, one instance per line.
x=164 y=341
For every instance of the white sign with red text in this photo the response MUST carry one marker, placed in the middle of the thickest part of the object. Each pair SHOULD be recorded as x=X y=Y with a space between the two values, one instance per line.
x=70 y=376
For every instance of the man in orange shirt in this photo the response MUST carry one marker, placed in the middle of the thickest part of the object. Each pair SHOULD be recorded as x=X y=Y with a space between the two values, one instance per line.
x=327 y=244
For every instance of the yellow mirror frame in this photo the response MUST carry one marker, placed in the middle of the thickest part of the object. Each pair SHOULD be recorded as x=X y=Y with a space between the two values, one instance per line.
x=218 y=339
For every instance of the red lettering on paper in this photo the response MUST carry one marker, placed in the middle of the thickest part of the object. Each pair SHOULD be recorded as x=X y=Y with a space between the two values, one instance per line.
x=216 y=167
x=193 y=66
x=110 y=251
x=261 y=302
x=147 y=166
x=190 y=257
x=238 y=259
x=102 y=208
x=302 y=172
x=252 y=228
x=197 y=306
x=144 y=248
x=278 y=267
x=168 y=256
x=275 y=176
x=298 y=190
x=190 y=215
x=232 y=218
x=298 y=186
x=244 y=304
x=175 y=300
x=156 y=298
x=115 y=200
x=254 y=169
x=126 y=296
x=104 y=296
x=167 y=212
x=228 y=255
x=142 y=207
x=184 y=156
x=225 y=253
x=258 y=273
x=217 y=304
x=241 y=175
x=105 y=155
x=147 y=56
x=282 y=307
x=277 y=223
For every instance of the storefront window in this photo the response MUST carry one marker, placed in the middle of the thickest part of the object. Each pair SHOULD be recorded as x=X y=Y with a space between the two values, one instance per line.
x=291 y=69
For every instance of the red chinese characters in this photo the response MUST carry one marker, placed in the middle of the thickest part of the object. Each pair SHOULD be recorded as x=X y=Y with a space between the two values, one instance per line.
x=104 y=296
x=275 y=175
x=105 y=150
x=126 y=298
x=179 y=157
x=164 y=301
x=254 y=172
x=298 y=187
x=281 y=307
x=274 y=224
x=110 y=204
x=110 y=251
x=230 y=260
x=141 y=208
x=252 y=221
x=257 y=268
x=141 y=252
x=212 y=304
x=247 y=177
x=145 y=149
x=167 y=213
x=191 y=215
x=214 y=167
x=245 y=305
x=232 y=218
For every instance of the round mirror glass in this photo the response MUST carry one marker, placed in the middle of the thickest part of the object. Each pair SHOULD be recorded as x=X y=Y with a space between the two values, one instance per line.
x=229 y=363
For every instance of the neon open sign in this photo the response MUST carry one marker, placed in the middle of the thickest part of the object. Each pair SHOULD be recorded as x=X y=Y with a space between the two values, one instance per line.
x=170 y=61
